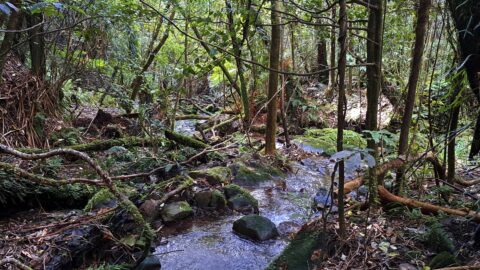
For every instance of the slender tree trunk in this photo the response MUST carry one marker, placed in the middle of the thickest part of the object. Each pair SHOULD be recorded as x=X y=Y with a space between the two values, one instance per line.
x=7 y=42
x=342 y=62
x=452 y=128
x=237 y=50
x=271 y=129
x=139 y=80
x=333 y=48
x=322 y=63
x=374 y=82
x=420 y=34
x=37 y=45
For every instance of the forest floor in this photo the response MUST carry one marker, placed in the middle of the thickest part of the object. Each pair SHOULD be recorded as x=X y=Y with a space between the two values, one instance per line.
x=64 y=234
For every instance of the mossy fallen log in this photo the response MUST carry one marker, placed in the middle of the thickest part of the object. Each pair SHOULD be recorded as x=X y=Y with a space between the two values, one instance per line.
x=185 y=140
x=20 y=194
x=102 y=145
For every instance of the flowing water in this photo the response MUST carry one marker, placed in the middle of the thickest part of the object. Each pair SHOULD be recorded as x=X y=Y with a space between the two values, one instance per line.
x=211 y=244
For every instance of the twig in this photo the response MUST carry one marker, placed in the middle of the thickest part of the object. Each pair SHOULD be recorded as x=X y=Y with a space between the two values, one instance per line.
x=16 y=262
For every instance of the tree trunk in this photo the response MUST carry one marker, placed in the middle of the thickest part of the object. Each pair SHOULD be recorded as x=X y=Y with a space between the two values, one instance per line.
x=342 y=63
x=333 y=47
x=37 y=45
x=374 y=78
x=270 y=137
x=420 y=33
x=138 y=80
x=452 y=128
x=237 y=45
x=322 y=63
x=466 y=15
x=7 y=42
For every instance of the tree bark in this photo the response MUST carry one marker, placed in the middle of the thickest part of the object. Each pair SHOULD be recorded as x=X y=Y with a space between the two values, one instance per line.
x=420 y=33
x=37 y=45
x=12 y=24
x=374 y=78
x=270 y=133
x=342 y=63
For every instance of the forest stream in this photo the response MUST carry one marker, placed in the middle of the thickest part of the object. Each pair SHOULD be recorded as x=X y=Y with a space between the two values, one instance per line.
x=207 y=244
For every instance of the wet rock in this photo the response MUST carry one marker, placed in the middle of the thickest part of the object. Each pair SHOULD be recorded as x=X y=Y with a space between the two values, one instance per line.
x=255 y=227
x=176 y=211
x=242 y=204
x=214 y=176
x=210 y=199
x=202 y=199
x=250 y=173
x=322 y=199
x=218 y=200
x=149 y=209
x=442 y=259
x=240 y=199
x=150 y=263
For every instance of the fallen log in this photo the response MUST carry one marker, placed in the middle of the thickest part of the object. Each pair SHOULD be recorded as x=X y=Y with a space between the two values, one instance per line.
x=102 y=145
x=426 y=207
x=185 y=140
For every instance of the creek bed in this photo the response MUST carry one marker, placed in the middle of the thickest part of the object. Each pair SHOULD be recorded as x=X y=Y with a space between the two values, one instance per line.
x=211 y=244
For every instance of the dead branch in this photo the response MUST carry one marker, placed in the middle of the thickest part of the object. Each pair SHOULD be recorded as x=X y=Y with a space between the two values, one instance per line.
x=186 y=184
x=15 y=262
x=426 y=207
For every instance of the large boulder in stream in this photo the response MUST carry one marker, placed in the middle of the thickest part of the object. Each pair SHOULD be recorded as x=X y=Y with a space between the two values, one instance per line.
x=239 y=199
x=255 y=227
x=325 y=140
x=254 y=172
x=176 y=211
x=214 y=176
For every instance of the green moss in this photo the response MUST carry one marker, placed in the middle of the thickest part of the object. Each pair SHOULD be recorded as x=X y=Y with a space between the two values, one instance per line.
x=104 y=195
x=443 y=259
x=233 y=190
x=214 y=176
x=254 y=172
x=218 y=200
x=326 y=139
x=65 y=136
x=298 y=253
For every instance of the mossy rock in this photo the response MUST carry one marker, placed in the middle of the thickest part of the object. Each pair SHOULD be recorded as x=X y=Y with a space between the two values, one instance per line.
x=105 y=199
x=218 y=200
x=235 y=193
x=176 y=211
x=210 y=199
x=253 y=173
x=326 y=140
x=214 y=176
x=442 y=259
x=297 y=255
x=436 y=239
